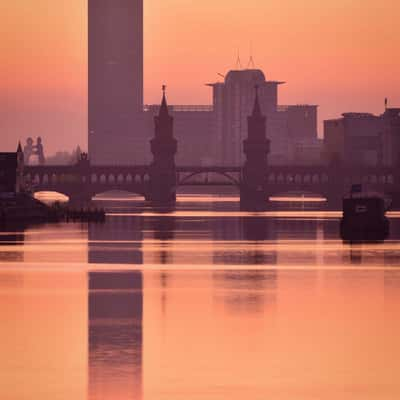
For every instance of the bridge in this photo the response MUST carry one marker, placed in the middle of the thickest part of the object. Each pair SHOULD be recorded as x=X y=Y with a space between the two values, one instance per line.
x=83 y=181
x=256 y=181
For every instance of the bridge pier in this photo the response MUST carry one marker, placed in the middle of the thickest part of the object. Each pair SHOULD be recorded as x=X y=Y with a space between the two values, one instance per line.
x=334 y=202
x=253 y=198
x=80 y=199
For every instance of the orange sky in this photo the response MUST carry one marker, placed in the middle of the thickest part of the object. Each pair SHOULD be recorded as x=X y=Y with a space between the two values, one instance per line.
x=343 y=55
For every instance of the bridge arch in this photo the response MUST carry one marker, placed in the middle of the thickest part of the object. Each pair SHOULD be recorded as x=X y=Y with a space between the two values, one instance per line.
x=118 y=195
x=51 y=196
x=186 y=178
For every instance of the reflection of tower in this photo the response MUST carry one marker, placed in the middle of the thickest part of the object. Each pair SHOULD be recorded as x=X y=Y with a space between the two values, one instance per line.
x=10 y=237
x=115 y=103
x=118 y=241
x=255 y=231
x=115 y=335
x=256 y=148
x=163 y=147
x=259 y=230
x=164 y=232
x=248 y=291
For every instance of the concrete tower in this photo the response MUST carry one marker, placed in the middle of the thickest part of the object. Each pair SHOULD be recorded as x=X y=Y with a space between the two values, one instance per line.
x=115 y=79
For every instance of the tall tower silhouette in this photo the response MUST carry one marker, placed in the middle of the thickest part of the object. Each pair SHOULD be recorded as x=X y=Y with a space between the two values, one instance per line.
x=115 y=79
x=253 y=192
x=163 y=147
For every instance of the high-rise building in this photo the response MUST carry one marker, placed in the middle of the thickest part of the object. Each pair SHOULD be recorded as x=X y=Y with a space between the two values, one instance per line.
x=286 y=125
x=115 y=79
x=214 y=134
x=233 y=101
x=363 y=139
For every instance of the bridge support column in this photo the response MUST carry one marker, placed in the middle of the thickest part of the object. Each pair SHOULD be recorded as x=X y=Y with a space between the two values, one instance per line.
x=162 y=185
x=253 y=188
x=80 y=199
x=334 y=200
x=337 y=188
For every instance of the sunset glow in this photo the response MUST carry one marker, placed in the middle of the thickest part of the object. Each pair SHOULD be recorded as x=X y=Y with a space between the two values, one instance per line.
x=342 y=55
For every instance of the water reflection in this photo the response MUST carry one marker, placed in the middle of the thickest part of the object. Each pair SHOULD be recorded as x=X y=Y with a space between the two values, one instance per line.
x=246 y=291
x=11 y=239
x=200 y=304
x=162 y=230
x=115 y=335
x=119 y=241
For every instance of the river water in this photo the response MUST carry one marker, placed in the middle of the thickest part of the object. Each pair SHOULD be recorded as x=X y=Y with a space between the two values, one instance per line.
x=201 y=302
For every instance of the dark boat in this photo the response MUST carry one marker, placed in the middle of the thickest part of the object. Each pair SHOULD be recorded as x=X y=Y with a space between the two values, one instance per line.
x=364 y=216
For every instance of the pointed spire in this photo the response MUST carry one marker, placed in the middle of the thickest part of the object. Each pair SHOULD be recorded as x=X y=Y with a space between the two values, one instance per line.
x=238 y=64
x=164 y=107
x=251 y=64
x=19 y=149
x=256 y=108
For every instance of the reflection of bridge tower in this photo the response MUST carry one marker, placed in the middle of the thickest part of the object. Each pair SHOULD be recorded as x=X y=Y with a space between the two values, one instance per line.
x=256 y=148
x=163 y=146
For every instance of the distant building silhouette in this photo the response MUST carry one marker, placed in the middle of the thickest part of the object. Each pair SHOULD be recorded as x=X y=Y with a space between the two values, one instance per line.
x=363 y=139
x=194 y=131
x=120 y=126
x=12 y=171
x=214 y=134
x=115 y=97
x=233 y=101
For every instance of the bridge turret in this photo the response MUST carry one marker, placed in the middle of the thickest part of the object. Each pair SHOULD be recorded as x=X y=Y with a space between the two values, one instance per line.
x=82 y=178
x=162 y=186
x=20 y=183
x=253 y=192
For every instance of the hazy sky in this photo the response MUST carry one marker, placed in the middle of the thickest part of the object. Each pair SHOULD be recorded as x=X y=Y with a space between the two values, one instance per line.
x=343 y=55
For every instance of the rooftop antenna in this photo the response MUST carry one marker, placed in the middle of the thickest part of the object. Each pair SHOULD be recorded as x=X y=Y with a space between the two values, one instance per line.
x=386 y=103
x=251 y=64
x=238 y=64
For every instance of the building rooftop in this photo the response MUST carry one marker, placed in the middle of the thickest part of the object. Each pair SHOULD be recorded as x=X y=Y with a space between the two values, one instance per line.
x=181 y=107
x=249 y=76
x=357 y=115
x=286 y=107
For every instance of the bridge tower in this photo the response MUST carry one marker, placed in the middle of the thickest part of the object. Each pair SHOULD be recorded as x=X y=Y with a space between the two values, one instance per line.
x=162 y=185
x=253 y=189
x=81 y=195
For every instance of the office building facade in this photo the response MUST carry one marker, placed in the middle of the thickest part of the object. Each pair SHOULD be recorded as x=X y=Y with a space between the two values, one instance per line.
x=115 y=81
x=363 y=139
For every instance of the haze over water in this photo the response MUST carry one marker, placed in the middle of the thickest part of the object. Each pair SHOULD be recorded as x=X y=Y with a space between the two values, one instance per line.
x=203 y=302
